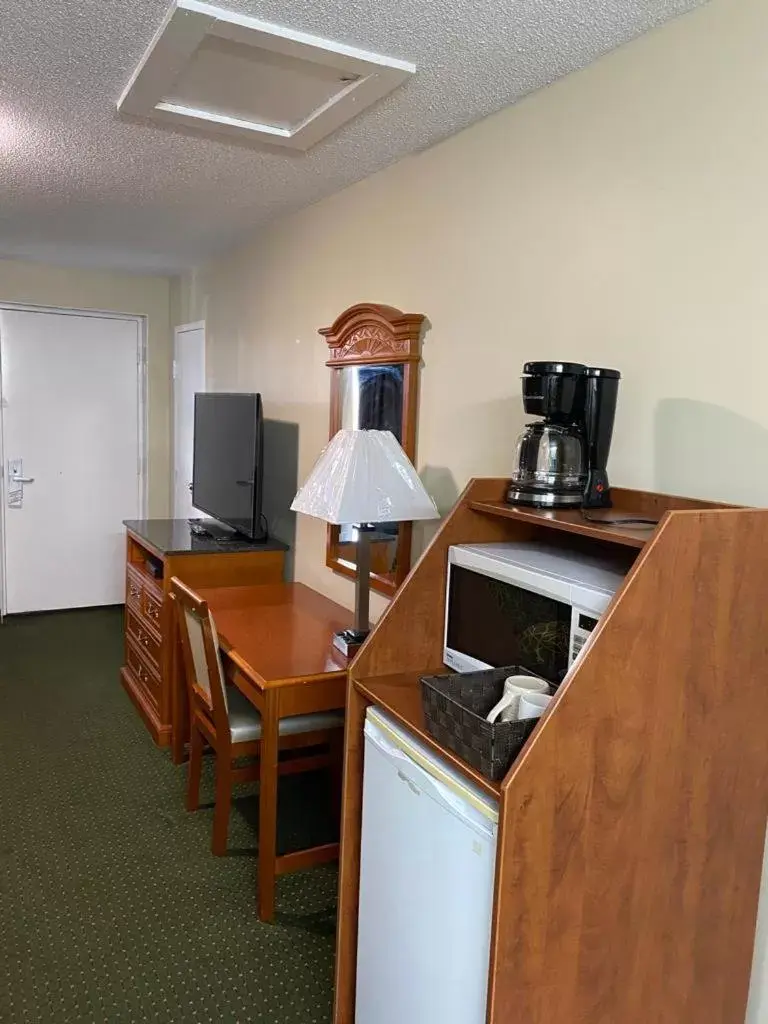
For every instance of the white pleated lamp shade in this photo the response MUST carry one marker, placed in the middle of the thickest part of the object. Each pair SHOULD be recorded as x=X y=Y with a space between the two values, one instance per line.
x=364 y=476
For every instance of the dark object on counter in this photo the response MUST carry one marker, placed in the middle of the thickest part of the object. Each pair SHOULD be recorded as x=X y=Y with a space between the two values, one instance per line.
x=228 y=462
x=560 y=460
x=455 y=706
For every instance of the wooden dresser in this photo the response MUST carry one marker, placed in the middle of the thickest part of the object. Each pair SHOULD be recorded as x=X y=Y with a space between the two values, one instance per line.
x=168 y=547
x=632 y=825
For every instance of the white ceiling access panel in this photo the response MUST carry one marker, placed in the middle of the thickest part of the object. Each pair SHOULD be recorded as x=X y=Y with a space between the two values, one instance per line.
x=226 y=72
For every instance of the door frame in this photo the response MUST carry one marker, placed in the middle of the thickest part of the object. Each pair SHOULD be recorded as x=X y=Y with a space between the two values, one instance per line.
x=143 y=424
x=178 y=330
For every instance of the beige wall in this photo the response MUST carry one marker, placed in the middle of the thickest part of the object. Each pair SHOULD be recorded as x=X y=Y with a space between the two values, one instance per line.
x=148 y=296
x=619 y=217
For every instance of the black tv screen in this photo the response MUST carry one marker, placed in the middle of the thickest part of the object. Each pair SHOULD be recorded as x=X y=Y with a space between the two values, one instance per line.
x=227 y=463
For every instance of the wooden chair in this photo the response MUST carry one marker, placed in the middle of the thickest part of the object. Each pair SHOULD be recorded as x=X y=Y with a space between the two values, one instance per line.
x=221 y=716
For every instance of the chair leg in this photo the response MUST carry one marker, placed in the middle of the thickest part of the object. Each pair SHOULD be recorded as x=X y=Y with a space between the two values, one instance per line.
x=194 y=769
x=223 y=803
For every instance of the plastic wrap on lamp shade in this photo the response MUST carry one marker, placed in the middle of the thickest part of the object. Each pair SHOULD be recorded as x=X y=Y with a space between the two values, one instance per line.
x=364 y=476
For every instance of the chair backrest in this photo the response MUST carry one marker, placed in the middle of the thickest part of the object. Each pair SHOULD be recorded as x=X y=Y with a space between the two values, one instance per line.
x=202 y=657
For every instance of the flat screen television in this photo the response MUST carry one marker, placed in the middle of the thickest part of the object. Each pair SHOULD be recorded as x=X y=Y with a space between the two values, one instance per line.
x=227 y=467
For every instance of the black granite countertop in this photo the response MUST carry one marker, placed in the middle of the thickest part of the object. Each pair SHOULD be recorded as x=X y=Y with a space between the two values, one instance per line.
x=174 y=537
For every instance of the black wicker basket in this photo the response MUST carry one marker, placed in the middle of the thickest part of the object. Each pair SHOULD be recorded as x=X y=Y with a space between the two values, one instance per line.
x=455 y=709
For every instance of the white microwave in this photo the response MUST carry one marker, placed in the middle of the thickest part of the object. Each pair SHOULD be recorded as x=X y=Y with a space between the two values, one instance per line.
x=525 y=604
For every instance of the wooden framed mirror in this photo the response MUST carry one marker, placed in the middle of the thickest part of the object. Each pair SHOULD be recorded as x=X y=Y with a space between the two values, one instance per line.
x=375 y=353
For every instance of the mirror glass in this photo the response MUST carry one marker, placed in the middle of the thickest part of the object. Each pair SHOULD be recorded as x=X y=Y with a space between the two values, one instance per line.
x=371 y=398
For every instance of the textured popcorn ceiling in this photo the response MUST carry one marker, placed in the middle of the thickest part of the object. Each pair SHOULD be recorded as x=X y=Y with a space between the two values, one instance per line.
x=81 y=185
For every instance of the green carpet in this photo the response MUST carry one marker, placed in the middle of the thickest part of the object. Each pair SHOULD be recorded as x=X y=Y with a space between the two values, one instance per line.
x=112 y=908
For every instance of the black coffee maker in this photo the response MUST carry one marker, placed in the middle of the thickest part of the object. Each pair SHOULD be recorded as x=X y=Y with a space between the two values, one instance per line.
x=560 y=460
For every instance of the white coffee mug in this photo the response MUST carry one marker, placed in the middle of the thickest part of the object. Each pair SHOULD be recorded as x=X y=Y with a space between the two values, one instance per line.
x=532 y=705
x=514 y=688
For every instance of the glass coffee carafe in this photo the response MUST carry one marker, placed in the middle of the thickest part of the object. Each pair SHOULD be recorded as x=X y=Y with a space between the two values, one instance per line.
x=550 y=466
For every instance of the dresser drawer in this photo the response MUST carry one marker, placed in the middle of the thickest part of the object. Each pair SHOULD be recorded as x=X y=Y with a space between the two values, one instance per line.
x=148 y=642
x=151 y=606
x=142 y=672
x=133 y=590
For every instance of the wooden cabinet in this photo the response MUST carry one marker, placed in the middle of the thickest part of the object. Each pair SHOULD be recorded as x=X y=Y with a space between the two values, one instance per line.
x=156 y=551
x=632 y=825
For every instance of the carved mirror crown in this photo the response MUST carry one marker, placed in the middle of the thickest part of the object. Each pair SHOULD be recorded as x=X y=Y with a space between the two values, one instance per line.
x=372 y=332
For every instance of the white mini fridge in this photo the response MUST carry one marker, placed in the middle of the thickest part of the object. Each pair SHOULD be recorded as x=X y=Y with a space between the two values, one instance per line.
x=427 y=869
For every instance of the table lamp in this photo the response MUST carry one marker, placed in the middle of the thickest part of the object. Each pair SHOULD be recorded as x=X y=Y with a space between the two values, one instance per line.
x=363 y=478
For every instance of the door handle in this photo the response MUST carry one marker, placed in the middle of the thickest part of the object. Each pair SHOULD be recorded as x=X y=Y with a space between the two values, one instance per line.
x=22 y=479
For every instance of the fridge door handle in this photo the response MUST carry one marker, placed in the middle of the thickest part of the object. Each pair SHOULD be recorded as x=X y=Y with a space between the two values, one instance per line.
x=404 y=778
x=418 y=779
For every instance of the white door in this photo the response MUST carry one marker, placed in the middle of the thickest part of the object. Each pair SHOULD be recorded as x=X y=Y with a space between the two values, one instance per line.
x=71 y=425
x=188 y=378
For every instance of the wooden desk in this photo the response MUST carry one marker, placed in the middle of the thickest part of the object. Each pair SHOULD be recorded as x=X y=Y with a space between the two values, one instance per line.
x=278 y=637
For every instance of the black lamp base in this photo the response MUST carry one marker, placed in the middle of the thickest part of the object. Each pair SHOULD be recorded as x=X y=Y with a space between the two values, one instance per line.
x=348 y=641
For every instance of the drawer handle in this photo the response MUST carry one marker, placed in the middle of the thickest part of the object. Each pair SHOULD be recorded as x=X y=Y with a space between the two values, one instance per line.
x=152 y=612
x=134 y=591
x=141 y=673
